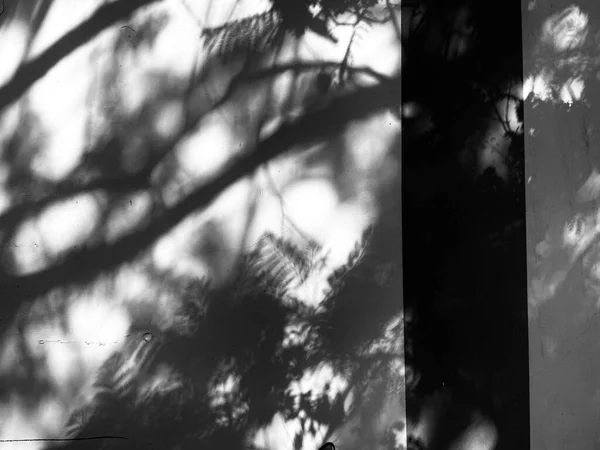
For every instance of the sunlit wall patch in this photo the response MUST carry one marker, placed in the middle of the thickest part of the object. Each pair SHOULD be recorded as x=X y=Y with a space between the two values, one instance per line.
x=224 y=395
x=591 y=188
x=566 y=30
x=538 y=85
x=319 y=384
x=13 y=42
x=572 y=90
x=573 y=231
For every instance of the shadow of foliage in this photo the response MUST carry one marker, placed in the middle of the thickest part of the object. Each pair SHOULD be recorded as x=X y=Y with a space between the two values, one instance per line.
x=165 y=389
x=240 y=334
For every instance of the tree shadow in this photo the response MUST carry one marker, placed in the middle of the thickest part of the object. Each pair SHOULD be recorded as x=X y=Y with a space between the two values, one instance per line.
x=234 y=371
x=169 y=386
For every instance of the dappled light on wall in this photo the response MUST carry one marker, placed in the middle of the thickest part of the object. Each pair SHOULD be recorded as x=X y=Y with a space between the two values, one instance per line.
x=68 y=359
x=538 y=85
x=39 y=241
x=224 y=395
x=302 y=431
x=565 y=57
x=13 y=44
x=164 y=381
x=310 y=204
x=566 y=30
x=563 y=230
x=557 y=255
x=142 y=174
x=572 y=90
x=561 y=81
x=543 y=88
